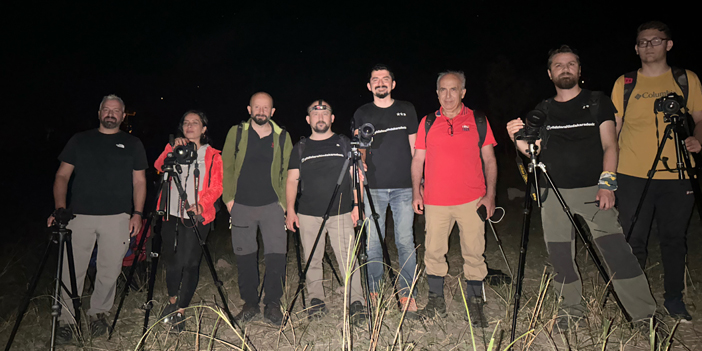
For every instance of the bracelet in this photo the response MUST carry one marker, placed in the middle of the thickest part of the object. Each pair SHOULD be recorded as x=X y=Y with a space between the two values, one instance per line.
x=355 y=204
x=138 y=213
x=608 y=181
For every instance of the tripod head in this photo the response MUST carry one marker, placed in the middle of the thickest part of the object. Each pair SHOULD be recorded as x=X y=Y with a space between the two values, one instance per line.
x=61 y=218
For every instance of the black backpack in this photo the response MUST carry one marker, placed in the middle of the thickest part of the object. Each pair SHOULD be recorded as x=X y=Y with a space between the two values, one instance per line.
x=480 y=121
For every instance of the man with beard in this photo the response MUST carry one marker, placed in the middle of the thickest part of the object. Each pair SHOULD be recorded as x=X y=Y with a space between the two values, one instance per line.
x=579 y=148
x=388 y=160
x=255 y=160
x=107 y=198
x=669 y=200
x=315 y=166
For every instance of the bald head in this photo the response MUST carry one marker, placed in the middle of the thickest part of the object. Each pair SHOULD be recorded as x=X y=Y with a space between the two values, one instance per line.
x=261 y=108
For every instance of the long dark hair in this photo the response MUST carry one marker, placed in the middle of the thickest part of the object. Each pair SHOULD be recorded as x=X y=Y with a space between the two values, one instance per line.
x=204 y=138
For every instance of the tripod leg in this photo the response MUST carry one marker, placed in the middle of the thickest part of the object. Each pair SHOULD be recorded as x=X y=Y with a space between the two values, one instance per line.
x=155 y=252
x=73 y=293
x=25 y=303
x=517 y=283
x=296 y=238
x=130 y=275
x=328 y=260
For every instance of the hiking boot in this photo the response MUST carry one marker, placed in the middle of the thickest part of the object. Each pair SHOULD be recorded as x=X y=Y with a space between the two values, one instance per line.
x=98 y=325
x=436 y=307
x=273 y=314
x=676 y=309
x=317 y=309
x=247 y=313
x=64 y=334
x=496 y=277
x=166 y=313
x=177 y=323
x=357 y=312
x=409 y=306
x=475 y=309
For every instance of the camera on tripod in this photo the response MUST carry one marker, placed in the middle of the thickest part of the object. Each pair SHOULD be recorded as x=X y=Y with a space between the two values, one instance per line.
x=531 y=132
x=62 y=216
x=669 y=104
x=182 y=155
x=365 y=136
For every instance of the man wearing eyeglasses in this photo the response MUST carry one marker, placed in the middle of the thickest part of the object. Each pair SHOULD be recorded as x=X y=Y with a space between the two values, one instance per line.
x=640 y=130
x=448 y=157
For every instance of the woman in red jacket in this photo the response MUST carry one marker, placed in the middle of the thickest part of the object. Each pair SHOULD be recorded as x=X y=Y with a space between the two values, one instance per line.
x=181 y=251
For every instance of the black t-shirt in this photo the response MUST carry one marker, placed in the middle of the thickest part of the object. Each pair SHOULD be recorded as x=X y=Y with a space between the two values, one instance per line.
x=254 y=186
x=389 y=158
x=572 y=151
x=103 y=171
x=320 y=167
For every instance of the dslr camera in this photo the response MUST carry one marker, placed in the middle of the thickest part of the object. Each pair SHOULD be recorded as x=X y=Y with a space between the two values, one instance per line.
x=669 y=104
x=182 y=155
x=531 y=132
x=365 y=136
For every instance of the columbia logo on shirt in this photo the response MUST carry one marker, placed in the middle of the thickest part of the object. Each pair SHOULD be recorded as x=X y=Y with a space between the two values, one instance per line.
x=121 y=146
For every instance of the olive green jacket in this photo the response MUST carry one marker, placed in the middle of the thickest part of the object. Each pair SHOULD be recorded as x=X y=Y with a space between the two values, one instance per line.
x=232 y=161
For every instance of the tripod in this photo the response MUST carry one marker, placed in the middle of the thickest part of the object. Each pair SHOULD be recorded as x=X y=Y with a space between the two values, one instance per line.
x=62 y=236
x=676 y=126
x=533 y=181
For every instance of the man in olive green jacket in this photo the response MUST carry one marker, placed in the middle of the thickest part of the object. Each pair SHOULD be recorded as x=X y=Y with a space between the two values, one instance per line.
x=255 y=158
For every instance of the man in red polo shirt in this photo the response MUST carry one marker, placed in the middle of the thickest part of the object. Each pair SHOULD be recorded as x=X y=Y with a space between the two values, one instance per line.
x=455 y=186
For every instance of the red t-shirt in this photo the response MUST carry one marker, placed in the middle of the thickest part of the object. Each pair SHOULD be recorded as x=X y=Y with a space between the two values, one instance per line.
x=453 y=173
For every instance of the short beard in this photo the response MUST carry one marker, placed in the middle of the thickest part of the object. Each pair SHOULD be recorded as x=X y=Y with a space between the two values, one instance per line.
x=321 y=130
x=259 y=122
x=568 y=82
x=109 y=124
x=382 y=95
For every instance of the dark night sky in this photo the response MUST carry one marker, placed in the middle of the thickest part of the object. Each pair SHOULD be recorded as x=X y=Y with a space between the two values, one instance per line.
x=164 y=58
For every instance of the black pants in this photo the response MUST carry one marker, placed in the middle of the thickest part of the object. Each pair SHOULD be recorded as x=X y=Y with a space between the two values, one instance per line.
x=670 y=202
x=182 y=254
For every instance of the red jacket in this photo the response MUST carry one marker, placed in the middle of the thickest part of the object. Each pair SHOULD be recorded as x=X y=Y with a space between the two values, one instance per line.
x=211 y=180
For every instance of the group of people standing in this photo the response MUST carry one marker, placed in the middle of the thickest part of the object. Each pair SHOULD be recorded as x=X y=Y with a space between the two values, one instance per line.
x=443 y=167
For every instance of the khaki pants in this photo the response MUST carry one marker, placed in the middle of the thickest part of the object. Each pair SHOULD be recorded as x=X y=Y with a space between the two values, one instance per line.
x=439 y=222
x=341 y=238
x=112 y=236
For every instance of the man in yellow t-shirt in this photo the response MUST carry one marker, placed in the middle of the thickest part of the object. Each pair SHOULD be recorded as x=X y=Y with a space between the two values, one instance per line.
x=640 y=131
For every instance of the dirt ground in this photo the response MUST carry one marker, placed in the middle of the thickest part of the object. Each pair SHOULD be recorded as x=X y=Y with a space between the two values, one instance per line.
x=451 y=333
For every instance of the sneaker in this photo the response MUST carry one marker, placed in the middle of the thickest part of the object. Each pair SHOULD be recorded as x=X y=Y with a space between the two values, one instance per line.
x=475 y=309
x=64 y=334
x=496 y=277
x=273 y=314
x=676 y=309
x=357 y=312
x=177 y=323
x=317 y=309
x=409 y=306
x=166 y=314
x=436 y=307
x=98 y=325
x=247 y=313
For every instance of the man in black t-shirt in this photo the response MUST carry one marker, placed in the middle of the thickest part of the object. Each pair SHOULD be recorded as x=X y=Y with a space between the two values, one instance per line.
x=388 y=160
x=579 y=149
x=108 y=192
x=315 y=165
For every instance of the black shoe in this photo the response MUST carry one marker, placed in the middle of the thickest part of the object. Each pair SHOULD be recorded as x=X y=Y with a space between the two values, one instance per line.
x=357 y=312
x=496 y=277
x=177 y=323
x=166 y=314
x=248 y=312
x=436 y=307
x=273 y=314
x=676 y=309
x=317 y=309
x=475 y=309
x=64 y=334
x=99 y=325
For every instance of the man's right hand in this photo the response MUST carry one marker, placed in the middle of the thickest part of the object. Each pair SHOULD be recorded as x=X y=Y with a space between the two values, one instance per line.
x=418 y=203
x=514 y=126
x=230 y=204
x=50 y=221
x=292 y=221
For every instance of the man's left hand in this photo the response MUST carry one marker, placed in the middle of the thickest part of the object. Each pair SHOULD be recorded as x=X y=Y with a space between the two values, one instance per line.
x=354 y=215
x=606 y=199
x=692 y=144
x=489 y=203
x=134 y=225
x=196 y=208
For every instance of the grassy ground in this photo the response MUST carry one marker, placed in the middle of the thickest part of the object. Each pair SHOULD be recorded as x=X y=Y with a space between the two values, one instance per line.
x=205 y=329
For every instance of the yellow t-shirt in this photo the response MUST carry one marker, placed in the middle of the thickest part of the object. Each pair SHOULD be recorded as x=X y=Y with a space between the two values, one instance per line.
x=637 y=140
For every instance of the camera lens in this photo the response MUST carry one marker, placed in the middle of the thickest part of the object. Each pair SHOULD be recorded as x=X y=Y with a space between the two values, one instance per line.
x=535 y=119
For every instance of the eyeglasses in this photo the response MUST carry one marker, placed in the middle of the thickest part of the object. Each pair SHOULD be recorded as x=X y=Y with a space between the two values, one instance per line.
x=450 y=128
x=654 y=42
